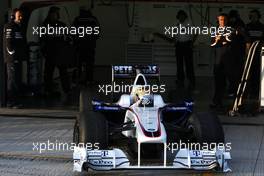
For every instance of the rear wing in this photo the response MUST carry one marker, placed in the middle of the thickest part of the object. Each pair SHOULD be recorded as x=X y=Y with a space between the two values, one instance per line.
x=131 y=71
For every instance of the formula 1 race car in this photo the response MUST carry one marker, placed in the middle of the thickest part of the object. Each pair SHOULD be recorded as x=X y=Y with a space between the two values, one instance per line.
x=150 y=127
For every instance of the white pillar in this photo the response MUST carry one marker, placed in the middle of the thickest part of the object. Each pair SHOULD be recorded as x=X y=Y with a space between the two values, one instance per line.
x=262 y=79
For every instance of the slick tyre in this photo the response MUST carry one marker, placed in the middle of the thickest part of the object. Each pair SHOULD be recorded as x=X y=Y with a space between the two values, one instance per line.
x=86 y=97
x=93 y=130
x=206 y=128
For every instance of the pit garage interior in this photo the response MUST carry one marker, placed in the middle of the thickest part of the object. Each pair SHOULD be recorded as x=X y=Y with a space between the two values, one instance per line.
x=126 y=38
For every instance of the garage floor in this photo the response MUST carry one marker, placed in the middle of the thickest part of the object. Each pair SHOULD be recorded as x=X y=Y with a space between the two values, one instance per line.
x=17 y=156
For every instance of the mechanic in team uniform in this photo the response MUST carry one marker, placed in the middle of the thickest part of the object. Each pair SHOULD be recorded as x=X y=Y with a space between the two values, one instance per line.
x=223 y=56
x=15 y=50
x=255 y=31
x=86 y=46
x=238 y=47
x=184 y=51
x=51 y=49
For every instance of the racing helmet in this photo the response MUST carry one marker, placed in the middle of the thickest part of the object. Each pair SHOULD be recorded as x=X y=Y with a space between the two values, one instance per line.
x=146 y=101
x=138 y=92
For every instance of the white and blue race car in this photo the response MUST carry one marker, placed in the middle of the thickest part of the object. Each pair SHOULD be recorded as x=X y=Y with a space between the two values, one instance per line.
x=150 y=127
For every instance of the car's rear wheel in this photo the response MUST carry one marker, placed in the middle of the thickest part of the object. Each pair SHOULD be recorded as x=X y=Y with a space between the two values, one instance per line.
x=206 y=129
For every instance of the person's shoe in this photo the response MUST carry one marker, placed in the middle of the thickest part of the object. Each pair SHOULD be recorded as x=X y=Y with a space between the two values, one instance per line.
x=9 y=105
x=17 y=106
x=14 y=106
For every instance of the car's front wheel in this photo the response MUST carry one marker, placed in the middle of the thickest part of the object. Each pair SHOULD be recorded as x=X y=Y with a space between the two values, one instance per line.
x=91 y=129
x=206 y=129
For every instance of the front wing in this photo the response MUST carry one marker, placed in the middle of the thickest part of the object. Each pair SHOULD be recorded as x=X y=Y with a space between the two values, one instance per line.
x=116 y=159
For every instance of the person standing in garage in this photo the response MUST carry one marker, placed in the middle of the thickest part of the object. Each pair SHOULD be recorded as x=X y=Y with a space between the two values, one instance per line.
x=238 y=47
x=255 y=31
x=86 y=46
x=184 y=53
x=15 y=50
x=51 y=49
x=222 y=47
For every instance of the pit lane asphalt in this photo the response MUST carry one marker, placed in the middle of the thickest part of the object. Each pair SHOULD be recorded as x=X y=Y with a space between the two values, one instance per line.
x=17 y=156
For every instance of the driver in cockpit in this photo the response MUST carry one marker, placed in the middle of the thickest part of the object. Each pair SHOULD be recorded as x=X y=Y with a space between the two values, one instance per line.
x=142 y=97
